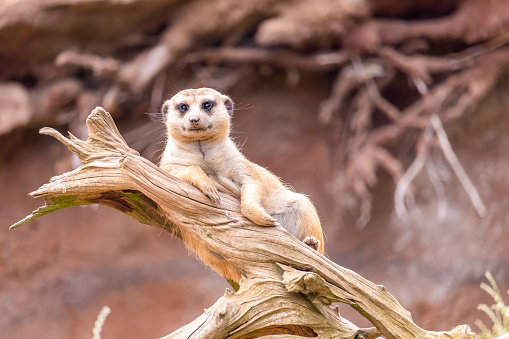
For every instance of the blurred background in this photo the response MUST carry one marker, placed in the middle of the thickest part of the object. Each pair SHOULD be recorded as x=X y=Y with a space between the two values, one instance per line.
x=390 y=114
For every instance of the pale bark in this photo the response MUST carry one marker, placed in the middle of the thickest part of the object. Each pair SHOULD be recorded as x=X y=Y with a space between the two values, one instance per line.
x=286 y=288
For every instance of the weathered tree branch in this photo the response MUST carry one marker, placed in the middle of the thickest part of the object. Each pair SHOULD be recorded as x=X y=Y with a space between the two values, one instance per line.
x=286 y=287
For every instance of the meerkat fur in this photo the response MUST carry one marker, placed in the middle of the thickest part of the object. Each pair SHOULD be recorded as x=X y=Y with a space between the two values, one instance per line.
x=199 y=150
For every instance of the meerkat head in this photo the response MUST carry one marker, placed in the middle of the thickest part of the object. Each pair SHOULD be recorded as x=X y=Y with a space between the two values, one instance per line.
x=198 y=114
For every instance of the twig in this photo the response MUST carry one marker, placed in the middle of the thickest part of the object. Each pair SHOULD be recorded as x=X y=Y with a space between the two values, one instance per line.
x=479 y=49
x=446 y=147
x=344 y=84
x=435 y=126
x=411 y=173
x=367 y=75
x=435 y=180
x=387 y=108
x=99 y=323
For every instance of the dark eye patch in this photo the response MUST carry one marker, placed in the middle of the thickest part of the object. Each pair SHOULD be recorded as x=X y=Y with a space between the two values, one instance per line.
x=207 y=105
x=182 y=108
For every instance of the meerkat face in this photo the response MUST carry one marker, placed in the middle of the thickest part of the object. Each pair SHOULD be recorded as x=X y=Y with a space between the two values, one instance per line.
x=198 y=114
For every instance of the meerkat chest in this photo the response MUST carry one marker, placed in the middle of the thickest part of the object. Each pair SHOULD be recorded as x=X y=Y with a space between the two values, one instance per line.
x=218 y=160
x=214 y=159
x=222 y=162
x=225 y=165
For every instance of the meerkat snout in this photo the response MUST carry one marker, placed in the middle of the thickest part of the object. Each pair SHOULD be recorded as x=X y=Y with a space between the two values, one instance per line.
x=194 y=121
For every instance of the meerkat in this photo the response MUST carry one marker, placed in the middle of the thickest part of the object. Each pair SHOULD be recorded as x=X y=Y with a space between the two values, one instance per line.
x=199 y=150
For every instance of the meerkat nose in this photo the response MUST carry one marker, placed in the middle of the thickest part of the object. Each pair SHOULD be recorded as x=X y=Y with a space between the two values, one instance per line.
x=194 y=121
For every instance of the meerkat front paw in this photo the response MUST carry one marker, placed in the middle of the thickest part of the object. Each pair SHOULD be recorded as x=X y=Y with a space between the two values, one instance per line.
x=209 y=189
x=198 y=178
x=312 y=242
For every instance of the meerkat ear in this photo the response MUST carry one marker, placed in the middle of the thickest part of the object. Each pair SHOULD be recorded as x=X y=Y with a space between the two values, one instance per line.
x=228 y=103
x=165 y=108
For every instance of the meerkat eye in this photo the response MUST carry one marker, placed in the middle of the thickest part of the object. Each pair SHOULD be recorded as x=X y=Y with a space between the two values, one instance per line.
x=207 y=105
x=182 y=108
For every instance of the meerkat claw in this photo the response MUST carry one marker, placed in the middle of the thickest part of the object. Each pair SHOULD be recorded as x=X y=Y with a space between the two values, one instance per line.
x=271 y=222
x=215 y=197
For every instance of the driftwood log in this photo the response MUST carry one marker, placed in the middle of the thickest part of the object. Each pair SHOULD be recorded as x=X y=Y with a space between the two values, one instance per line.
x=286 y=290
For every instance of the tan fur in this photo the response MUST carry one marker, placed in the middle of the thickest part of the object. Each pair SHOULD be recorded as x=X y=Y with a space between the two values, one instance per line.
x=200 y=151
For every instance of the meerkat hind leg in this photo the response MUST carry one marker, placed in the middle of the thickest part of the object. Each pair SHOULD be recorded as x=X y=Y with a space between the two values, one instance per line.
x=290 y=222
x=312 y=242
x=293 y=219
x=251 y=208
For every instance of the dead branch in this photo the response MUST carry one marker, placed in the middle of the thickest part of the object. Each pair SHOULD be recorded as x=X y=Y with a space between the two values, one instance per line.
x=280 y=58
x=453 y=98
x=102 y=67
x=403 y=184
x=472 y=23
x=286 y=287
x=435 y=127
x=420 y=67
